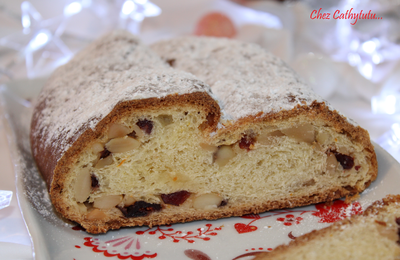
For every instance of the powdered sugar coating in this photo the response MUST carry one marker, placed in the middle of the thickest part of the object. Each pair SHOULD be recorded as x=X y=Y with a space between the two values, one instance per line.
x=114 y=69
x=245 y=77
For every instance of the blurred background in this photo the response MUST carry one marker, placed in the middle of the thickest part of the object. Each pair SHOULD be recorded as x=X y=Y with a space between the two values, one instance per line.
x=352 y=63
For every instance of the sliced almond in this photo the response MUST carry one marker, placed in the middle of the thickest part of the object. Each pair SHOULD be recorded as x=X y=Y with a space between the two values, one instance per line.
x=117 y=130
x=97 y=148
x=82 y=208
x=207 y=201
x=96 y=214
x=318 y=147
x=388 y=232
x=208 y=147
x=302 y=132
x=223 y=155
x=165 y=119
x=104 y=162
x=343 y=150
x=128 y=200
x=324 y=138
x=331 y=164
x=122 y=144
x=83 y=184
x=268 y=138
x=107 y=202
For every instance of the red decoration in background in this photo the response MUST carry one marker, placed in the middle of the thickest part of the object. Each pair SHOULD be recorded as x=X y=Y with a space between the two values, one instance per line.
x=215 y=24
x=337 y=211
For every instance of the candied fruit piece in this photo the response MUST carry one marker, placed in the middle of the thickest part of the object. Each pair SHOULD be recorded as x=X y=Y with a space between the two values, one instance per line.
x=176 y=198
x=247 y=142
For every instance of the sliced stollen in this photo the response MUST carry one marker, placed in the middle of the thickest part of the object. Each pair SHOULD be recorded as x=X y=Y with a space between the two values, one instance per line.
x=372 y=235
x=114 y=129
x=288 y=142
x=123 y=139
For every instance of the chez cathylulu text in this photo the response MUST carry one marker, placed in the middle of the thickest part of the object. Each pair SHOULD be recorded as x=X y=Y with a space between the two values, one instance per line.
x=348 y=15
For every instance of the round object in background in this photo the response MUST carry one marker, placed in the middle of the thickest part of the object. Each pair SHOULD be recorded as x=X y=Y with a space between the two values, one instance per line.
x=215 y=24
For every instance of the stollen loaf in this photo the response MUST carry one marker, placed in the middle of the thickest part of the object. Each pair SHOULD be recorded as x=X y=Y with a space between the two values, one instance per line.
x=189 y=129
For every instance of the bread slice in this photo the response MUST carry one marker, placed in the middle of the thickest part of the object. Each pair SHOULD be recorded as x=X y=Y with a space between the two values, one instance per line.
x=123 y=139
x=372 y=235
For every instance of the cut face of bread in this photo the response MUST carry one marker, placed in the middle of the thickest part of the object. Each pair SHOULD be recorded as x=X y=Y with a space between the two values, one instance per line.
x=374 y=235
x=124 y=140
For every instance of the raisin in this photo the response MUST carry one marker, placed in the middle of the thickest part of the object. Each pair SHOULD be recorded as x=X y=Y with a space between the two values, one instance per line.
x=105 y=153
x=145 y=125
x=346 y=161
x=139 y=209
x=223 y=203
x=246 y=142
x=176 y=198
x=95 y=181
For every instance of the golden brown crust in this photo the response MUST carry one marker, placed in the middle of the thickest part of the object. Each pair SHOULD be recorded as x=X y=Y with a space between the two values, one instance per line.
x=374 y=209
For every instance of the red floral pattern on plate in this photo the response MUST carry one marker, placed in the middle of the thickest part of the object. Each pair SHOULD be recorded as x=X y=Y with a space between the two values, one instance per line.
x=127 y=247
x=245 y=228
x=190 y=236
x=289 y=220
x=327 y=213
x=337 y=211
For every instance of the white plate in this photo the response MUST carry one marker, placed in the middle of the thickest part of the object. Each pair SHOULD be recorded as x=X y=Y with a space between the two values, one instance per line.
x=231 y=238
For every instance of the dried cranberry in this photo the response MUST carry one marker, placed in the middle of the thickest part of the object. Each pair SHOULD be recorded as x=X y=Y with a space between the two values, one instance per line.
x=145 y=125
x=246 y=142
x=176 y=198
x=346 y=161
x=104 y=153
x=95 y=181
x=357 y=167
x=139 y=209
